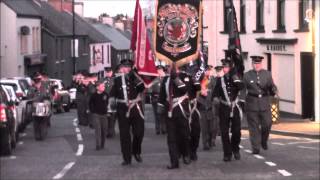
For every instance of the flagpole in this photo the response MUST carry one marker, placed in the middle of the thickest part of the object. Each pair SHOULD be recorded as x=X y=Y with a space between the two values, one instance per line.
x=73 y=39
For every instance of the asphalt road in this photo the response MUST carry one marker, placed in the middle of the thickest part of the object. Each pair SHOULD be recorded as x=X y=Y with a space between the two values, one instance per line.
x=69 y=153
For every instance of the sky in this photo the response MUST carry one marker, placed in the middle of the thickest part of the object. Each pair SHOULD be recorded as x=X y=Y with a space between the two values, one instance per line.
x=93 y=8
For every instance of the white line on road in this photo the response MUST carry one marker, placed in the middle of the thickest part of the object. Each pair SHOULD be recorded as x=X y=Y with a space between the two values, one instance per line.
x=74 y=123
x=77 y=130
x=80 y=150
x=75 y=119
x=307 y=147
x=248 y=151
x=284 y=172
x=20 y=143
x=13 y=157
x=270 y=163
x=277 y=143
x=79 y=137
x=64 y=170
x=314 y=141
x=23 y=134
x=241 y=147
x=258 y=156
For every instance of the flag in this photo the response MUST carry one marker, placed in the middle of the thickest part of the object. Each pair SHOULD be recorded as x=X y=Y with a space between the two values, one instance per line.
x=177 y=30
x=140 y=45
x=234 y=45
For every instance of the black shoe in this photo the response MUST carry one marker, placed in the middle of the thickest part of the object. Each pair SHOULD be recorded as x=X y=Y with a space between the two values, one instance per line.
x=186 y=160
x=255 y=151
x=163 y=132
x=126 y=163
x=206 y=147
x=171 y=166
x=264 y=146
x=158 y=132
x=137 y=157
x=193 y=156
x=227 y=158
x=213 y=144
x=237 y=156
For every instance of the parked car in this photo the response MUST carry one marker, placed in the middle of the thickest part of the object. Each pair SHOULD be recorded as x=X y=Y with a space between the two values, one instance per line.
x=21 y=87
x=61 y=97
x=73 y=93
x=16 y=108
x=6 y=124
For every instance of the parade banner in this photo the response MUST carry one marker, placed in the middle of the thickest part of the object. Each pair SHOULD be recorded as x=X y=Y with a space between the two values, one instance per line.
x=234 y=45
x=177 y=30
x=140 y=45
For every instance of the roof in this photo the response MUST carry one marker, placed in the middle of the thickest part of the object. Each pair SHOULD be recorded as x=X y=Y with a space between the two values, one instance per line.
x=126 y=33
x=22 y=8
x=118 y=40
x=60 y=23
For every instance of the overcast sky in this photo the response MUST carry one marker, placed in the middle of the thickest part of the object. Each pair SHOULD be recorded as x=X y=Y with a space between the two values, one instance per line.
x=93 y=8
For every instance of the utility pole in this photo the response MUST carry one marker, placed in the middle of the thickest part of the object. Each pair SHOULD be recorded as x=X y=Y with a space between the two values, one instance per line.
x=73 y=39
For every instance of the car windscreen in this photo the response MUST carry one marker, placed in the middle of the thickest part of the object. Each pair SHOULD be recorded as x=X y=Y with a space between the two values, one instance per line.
x=15 y=87
x=24 y=84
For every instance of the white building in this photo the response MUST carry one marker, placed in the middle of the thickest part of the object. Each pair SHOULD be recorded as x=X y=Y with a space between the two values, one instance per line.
x=20 y=39
x=277 y=30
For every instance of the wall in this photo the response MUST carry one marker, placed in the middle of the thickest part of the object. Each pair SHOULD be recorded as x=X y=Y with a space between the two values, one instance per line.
x=218 y=41
x=8 y=45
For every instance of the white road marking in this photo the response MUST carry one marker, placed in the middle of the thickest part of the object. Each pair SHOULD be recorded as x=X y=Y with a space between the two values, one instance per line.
x=270 y=163
x=314 y=141
x=284 y=172
x=248 y=151
x=74 y=120
x=74 y=123
x=277 y=143
x=64 y=170
x=77 y=130
x=244 y=138
x=13 y=157
x=20 y=143
x=241 y=147
x=23 y=134
x=307 y=147
x=80 y=150
x=258 y=156
x=79 y=137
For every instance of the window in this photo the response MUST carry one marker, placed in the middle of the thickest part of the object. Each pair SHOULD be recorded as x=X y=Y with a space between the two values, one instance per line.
x=226 y=6
x=304 y=5
x=281 y=15
x=260 y=16
x=243 y=16
x=24 y=44
x=38 y=39
x=34 y=40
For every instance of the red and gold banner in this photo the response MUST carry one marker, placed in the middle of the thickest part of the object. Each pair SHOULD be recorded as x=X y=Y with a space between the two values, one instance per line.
x=140 y=45
x=177 y=30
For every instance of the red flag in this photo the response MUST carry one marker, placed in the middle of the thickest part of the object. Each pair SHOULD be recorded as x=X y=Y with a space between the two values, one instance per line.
x=144 y=59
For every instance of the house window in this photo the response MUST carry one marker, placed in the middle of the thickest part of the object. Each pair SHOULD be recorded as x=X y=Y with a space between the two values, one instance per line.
x=24 y=44
x=38 y=39
x=260 y=15
x=34 y=40
x=243 y=16
x=304 y=5
x=226 y=6
x=281 y=15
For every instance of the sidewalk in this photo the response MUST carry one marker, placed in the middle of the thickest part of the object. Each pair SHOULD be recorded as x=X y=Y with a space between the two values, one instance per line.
x=294 y=127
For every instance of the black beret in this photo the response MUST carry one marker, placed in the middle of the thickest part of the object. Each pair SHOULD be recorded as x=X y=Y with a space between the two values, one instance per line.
x=256 y=59
x=226 y=62
x=126 y=62
x=107 y=68
x=218 y=68
x=36 y=75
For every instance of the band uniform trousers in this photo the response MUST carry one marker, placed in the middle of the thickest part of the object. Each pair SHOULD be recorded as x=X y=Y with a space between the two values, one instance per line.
x=194 y=131
x=207 y=126
x=230 y=145
x=136 y=122
x=111 y=125
x=100 y=126
x=178 y=134
x=259 y=135
x=82 y=107
x=160 y=125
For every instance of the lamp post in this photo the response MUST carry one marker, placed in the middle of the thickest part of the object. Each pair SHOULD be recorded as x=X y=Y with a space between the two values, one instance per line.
x=73 y=40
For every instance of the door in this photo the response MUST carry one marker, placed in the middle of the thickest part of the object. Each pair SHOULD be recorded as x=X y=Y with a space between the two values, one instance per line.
x=307 y=84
